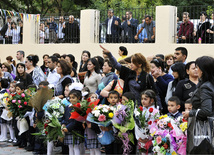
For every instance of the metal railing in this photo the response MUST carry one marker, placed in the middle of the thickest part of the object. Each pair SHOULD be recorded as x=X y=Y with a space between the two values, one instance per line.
x=59 y=29
x=198 y=28
x=124 y=31
x=11 y=30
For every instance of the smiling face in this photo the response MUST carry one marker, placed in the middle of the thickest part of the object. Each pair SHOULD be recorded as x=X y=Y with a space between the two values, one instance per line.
x=4 y=68
x=73 y=99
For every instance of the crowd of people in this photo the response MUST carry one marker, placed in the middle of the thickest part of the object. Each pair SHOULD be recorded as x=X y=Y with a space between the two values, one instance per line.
x=11 y=32
x=167 y=83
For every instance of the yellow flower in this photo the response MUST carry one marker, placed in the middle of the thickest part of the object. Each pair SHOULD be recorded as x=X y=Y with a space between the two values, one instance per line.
x=95 y=108
x=110 y=114
x=174 y=153
x=5 y=100
x=183 y=126
x=163 y=116
x=152 y=134
x=6 y=95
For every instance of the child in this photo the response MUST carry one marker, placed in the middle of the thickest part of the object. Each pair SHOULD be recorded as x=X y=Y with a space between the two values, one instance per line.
x=148 y=100
x=188 y=105
x=174 y=105
x=12 y=87
x=5 y=120
x=127 y=96
x=65 y=101
x=91 y=131
x=113 y=99
x=22 y=139
x=71 y=124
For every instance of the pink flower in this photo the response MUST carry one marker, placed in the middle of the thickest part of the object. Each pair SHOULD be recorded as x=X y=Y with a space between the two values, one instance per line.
x=13 y=101
x=22 y=95
x=19 y=101
x=102 y=118
x=20 y=106
x=25 y=103
x=159 y=140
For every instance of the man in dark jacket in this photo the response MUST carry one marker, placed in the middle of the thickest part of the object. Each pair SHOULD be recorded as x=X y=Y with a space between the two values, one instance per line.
x=113 y=25
x=71 y=30
x=8 y=39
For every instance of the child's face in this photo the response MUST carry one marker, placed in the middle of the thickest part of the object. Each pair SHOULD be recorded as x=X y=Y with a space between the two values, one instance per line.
x=18 y=90
x=146 y=101
x=20 y=69
x=172 y=107
x=93 y=97
x=188 y=106
x=124 y=99
x=73 y=99
x=66 y=92
x=12 y=88
x=113 y=99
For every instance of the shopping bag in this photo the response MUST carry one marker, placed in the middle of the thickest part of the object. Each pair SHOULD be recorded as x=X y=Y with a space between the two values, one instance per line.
x=106 y=137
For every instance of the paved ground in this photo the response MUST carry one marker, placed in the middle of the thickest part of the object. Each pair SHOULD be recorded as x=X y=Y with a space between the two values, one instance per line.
x=9 y=149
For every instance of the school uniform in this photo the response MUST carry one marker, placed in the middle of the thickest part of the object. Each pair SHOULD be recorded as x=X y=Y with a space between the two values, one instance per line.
x=175 y=115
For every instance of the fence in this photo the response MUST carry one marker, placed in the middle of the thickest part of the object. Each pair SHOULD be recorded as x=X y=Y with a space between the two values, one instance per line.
x=200 y=27
x=122 y=31
x=59 y=29
x=11 y=30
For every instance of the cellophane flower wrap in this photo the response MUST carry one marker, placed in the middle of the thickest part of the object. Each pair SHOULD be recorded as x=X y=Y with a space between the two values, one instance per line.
x=82 y=109
x=123 y=120
x=19 y=104
x=50 y=127
x=144 y=119
x=181 y=138
x=101 y=115
x=164 y=133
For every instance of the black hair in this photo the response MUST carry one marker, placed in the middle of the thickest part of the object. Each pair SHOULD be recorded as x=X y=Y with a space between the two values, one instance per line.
x=87 y=52
x=187 y=66
x=56 y=55
x=17 y=73
x=53 y=58
x=44 y=83
x=72 y=59
x=206 y=65
x=178 y=67
x=183 y=51
x=175 y=99
x=114 y=92
x=4 y=83
x=151 y=94
x=100 y=61
x=96 y=68
x=203 y=12
x=188 y=101
x=20 y=85
x=159 y=63
x=76 y=93
x=63 y=56
x=44 y=57
x=21 y=52
x=34 y=59
x=160 y=55
x=148 y=16
x=129 y=95
x=124 y=50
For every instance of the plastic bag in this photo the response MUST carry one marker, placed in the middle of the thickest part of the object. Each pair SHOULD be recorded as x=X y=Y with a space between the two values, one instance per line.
x=106 y=137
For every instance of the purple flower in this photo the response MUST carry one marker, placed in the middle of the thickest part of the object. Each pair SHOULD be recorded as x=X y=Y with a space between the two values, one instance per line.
x=19 y=101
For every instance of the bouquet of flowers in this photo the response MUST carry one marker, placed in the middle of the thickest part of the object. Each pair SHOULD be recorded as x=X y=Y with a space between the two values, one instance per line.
x=101 y=115
x=144 y=119
x=181 y=139
x=51 y=127
x=54 y=107
x=165 y=128
x=82 y=109
x=124 y=121
x=4 y=98
x=19 y=105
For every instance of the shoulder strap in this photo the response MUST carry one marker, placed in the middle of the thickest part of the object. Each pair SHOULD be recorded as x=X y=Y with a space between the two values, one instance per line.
x=114 y=85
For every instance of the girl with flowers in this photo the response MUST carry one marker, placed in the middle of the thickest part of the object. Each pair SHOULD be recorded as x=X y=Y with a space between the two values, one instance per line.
x=145 y=116
x=68 y=125
x=91 y=131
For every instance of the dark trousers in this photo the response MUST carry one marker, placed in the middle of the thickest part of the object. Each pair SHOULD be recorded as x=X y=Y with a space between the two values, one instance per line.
x=113 y=148
x=8 y=40
x=112 y=39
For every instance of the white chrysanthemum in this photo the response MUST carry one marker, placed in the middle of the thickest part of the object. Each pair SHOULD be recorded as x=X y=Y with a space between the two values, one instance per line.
x=96 y=113
x=136 y=112
x=105 y=110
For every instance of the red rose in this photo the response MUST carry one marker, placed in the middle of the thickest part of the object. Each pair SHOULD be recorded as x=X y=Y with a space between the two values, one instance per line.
x=141 y=108
x=156 y=121
x=78 y=105
x=46 y=132
x=151 y=110
x=45 y=126
x=13 y=95
x=89 y=99
x=25 y=103
x=165 y=146
x=170 y=125
x=184 y=120
x=150 y=122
